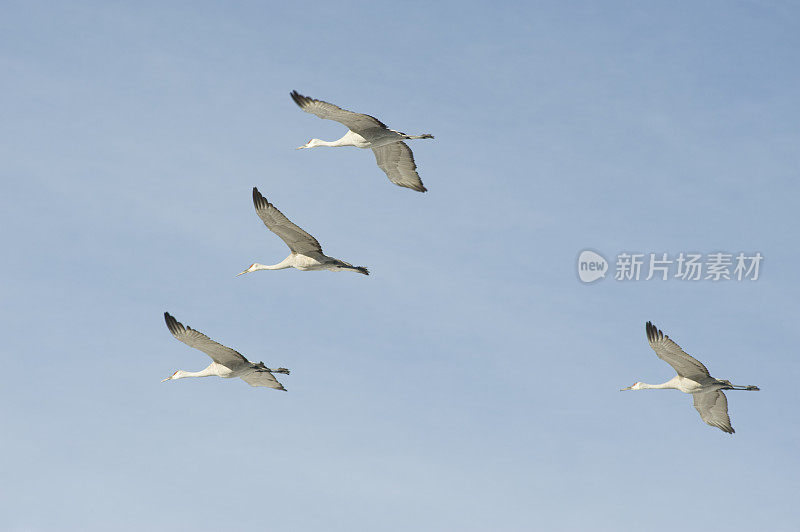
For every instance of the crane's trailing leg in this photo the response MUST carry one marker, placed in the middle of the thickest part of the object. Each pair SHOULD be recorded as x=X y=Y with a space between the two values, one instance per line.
x=342 y=265
x=730 y=386
x=423 y=136
x=261 y=367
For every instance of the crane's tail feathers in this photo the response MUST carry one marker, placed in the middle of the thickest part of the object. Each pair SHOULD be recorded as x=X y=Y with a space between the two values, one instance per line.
x=347 y=266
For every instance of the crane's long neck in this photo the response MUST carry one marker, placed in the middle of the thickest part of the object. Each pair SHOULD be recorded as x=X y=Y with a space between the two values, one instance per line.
x=313 y=143
x=280 y=266
x=285 y=263
x=663 y=386
x=207 y=372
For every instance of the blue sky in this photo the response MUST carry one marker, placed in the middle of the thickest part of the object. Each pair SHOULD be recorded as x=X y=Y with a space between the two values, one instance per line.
x=471 y=382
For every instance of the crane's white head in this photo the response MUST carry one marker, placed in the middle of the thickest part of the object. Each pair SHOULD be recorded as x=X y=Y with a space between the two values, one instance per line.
x=177 y=375
x=634 y=386
x=310 y=144
x=253 y=267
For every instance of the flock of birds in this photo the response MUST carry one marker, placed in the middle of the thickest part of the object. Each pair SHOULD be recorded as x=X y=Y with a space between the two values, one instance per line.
x=395 y=158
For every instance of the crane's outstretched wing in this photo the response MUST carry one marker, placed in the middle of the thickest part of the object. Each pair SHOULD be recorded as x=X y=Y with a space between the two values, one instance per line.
x=354 y=121
x=397 y=161
x=263 y=378
x=672 y=354
x=713 y=408
x=218 y=352
x=298 y=240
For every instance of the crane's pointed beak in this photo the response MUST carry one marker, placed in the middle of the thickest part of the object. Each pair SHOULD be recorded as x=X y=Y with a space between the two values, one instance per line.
x=628 y=388
x=165 y=380
x=300 y=147
x=249 y=269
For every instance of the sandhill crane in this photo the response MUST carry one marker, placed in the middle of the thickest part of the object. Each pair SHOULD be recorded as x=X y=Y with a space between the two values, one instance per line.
x=392 y=154
x=306 y=253
x=693 y=378
x=227 y=363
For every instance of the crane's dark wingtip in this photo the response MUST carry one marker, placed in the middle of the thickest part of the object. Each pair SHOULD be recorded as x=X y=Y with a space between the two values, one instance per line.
x=259 y=200
x=299 y=99
x=653 y=334
x=173 y=325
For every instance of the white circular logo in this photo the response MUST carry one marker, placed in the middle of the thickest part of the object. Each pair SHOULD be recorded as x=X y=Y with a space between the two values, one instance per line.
x=591 y=266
